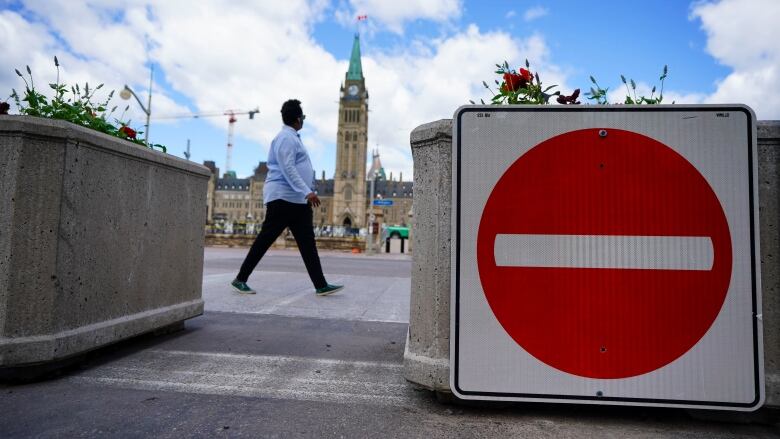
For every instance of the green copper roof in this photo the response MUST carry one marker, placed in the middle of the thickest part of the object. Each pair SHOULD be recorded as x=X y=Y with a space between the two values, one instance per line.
x=355 y=71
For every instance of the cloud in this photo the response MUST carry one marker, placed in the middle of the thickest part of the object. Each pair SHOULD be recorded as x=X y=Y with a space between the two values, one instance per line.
x=395 y=14
x=510 y=14
x=214 y=56
x=98 y=51
x=416 y=87
x=534 y=13
x=218 y=55
x=741 y=34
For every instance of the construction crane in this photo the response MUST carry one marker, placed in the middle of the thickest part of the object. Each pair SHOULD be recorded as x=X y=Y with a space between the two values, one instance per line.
x=231 y=126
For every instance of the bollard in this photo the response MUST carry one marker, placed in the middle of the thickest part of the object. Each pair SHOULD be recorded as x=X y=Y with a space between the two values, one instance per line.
x=426 y=357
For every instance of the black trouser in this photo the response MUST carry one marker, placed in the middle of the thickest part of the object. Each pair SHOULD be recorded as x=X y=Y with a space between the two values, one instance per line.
x=298 y=218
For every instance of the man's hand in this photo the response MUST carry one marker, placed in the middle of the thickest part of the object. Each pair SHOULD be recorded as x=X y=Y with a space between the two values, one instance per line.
x=313 y=199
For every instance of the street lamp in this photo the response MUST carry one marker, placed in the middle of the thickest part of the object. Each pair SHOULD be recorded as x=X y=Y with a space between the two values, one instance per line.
x=127 y=92
x=371 y=217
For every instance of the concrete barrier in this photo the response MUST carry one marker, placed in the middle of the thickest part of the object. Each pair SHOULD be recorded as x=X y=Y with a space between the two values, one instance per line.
x=426 y=359
x=100 y=240
x=426 y=356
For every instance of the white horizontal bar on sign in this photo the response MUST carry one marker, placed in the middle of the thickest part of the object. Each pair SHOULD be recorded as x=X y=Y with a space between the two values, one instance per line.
x=604 y=251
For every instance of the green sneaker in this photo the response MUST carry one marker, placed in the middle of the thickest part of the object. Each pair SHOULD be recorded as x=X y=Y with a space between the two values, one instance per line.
x=241 y=287
x=328 y=289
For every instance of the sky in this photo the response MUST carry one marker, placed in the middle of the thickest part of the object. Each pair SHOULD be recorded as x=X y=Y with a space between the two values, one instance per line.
x=421 y=60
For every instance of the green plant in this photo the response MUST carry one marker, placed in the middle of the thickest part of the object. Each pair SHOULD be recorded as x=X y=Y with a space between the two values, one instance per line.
x=519 y=87
x=77 y=108
x=523 y=87
x=600 y=94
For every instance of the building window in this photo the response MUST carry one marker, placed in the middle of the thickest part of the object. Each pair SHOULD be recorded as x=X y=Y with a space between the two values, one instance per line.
x=348 y=193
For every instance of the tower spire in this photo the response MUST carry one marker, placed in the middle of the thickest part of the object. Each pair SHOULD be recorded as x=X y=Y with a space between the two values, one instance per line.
x=376 y=166
x=355 y=71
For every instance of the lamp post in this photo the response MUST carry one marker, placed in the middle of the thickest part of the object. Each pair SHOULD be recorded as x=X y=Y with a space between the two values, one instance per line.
x=371 y=217
x=127 y=92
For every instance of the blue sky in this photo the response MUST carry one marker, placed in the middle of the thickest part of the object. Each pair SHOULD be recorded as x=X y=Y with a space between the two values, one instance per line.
x=421 y=59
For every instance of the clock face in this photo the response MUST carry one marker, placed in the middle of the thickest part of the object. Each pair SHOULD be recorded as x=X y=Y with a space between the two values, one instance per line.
x=352 y=90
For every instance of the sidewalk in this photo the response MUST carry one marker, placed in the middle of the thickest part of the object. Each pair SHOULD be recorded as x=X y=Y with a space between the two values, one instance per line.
x=377 y=286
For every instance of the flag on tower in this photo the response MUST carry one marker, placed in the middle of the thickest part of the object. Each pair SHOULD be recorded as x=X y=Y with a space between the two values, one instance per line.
x=362 y=17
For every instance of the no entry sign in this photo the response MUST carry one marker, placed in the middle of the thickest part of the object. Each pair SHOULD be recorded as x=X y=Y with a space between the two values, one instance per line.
x=606 y=255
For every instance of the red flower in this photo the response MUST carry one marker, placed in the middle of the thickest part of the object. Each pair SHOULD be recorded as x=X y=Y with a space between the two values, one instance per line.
x=513 y=82
x=127 y=131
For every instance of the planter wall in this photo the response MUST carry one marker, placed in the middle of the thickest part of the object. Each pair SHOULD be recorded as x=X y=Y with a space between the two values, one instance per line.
x=100 y=240
x=426 y=360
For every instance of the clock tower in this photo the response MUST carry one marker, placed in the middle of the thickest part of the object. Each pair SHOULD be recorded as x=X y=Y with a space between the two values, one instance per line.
x=349 y=186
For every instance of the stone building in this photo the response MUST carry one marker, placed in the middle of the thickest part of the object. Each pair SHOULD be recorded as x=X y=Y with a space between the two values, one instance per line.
x=345 y=197
x=236 y=199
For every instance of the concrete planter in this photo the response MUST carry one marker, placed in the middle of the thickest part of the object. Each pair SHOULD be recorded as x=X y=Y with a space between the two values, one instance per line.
x=426 y=360
x=100 y=240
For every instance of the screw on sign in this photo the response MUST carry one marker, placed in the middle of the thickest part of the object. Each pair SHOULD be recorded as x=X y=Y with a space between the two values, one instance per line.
x=604 y=253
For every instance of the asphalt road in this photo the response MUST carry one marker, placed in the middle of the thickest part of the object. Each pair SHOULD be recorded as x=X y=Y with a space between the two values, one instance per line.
x=284 y=363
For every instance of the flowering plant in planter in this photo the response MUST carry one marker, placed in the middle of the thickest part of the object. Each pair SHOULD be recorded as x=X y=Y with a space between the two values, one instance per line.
x=524 y=87
x=78 y=109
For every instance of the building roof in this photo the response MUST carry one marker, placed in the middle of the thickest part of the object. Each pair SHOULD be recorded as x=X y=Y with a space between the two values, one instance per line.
x=392 y=189
x=355 y=71
x=232 y=184
x=323 y=187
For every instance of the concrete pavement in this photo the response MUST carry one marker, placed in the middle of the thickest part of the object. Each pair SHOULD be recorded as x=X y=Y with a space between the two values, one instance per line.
x=377 y=287
x=284 y=363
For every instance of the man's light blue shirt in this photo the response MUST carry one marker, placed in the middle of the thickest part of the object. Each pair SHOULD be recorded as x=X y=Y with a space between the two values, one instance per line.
x=290 y=174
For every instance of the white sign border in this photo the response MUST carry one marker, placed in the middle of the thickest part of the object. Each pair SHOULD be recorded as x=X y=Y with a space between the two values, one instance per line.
x=758 y=360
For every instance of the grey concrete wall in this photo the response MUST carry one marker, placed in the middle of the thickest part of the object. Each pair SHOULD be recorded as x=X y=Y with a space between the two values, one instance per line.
x=100 y=239
x=426 y=360
x=769 y=216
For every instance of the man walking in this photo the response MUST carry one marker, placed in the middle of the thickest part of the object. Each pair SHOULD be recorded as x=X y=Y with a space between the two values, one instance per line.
x=289 y=200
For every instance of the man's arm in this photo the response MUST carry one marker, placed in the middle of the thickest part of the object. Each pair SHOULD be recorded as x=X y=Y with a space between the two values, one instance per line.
x=285 y=156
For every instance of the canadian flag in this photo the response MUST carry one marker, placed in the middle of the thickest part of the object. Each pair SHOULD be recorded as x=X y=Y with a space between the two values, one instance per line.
x=362 y=17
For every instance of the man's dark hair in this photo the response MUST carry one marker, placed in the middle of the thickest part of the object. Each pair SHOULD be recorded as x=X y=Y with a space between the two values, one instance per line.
x=291 y=110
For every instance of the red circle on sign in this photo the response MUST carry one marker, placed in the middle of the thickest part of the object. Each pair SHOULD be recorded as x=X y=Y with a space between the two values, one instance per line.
x=604 y=322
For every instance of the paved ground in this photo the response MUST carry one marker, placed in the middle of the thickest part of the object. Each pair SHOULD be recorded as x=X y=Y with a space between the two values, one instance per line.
x=377 y=287
x=285 y=364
